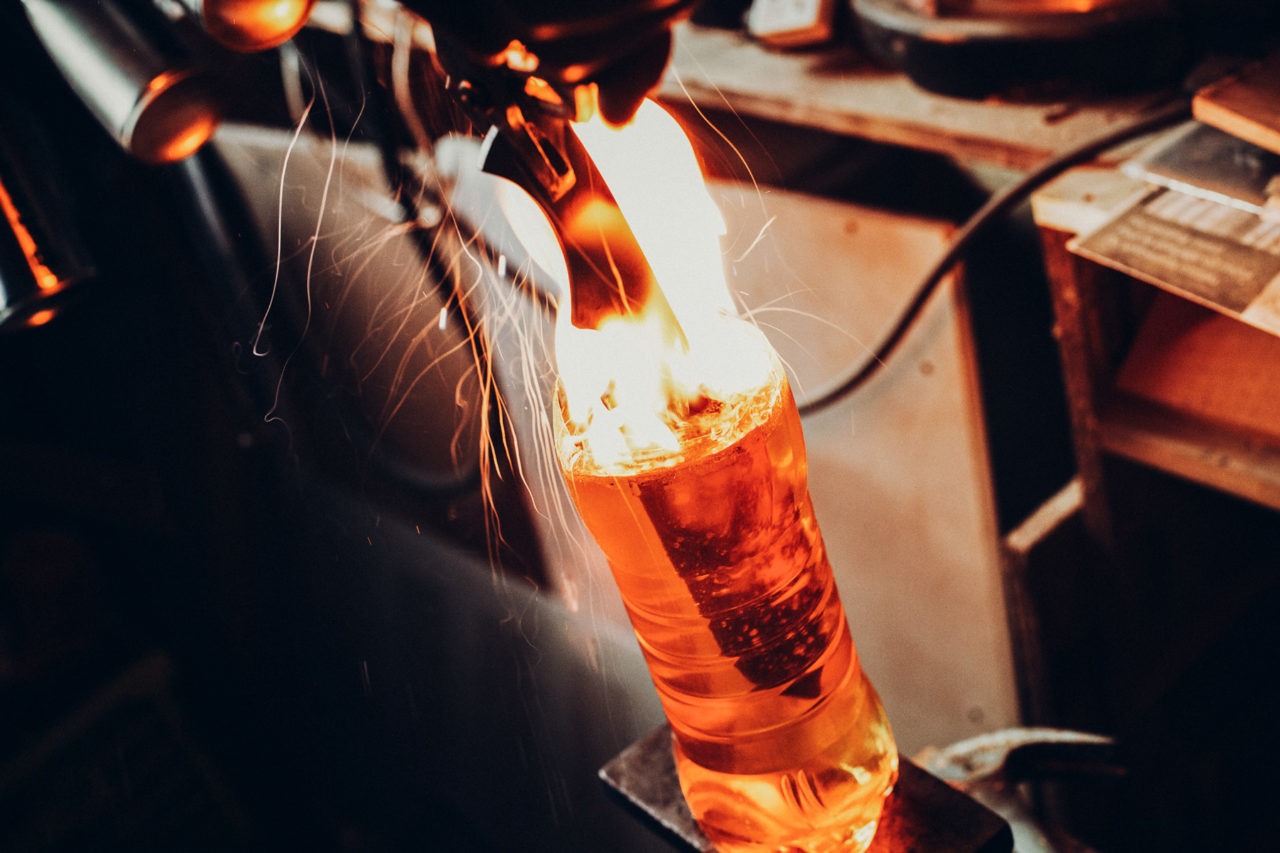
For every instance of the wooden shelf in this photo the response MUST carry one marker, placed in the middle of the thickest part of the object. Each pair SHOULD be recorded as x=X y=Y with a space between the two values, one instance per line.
x=840 y=91
x=1198 y=395
x=1181 y=388
x=1229 y=460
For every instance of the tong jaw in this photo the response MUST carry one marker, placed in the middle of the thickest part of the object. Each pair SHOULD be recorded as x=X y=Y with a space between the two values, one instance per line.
x=532 y=143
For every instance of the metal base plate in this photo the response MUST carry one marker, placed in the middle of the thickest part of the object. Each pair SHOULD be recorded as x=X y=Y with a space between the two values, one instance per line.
x=922 y=813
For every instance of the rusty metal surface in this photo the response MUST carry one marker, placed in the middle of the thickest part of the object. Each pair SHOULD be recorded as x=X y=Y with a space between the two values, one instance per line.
x=991 y=766
x=923 y=815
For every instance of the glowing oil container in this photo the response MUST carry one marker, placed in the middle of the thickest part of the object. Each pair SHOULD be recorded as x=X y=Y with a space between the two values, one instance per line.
x=780 y=740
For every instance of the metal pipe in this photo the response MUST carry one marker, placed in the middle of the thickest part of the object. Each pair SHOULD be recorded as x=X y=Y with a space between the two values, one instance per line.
x=148 y=98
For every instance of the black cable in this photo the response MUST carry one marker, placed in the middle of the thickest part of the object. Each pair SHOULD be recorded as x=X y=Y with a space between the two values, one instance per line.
x=996 y=206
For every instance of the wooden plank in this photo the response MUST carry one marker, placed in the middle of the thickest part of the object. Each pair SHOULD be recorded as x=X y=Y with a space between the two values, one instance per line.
x=1221 y=458
x=1074 y=289
x=1021 y=547
x=840 y=91
x=1060 y=590
x=1084 y=198
x=1207 y=366
x=1246 y=104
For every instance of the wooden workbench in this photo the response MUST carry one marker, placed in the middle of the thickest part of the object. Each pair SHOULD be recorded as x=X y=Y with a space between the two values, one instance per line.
x=839 y=90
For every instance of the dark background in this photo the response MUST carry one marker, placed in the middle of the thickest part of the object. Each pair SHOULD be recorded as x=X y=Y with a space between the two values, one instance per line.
x=220 y=630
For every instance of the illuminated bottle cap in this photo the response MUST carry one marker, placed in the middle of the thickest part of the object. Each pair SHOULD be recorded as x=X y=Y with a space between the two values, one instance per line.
x=251 y=25
x=174 y=117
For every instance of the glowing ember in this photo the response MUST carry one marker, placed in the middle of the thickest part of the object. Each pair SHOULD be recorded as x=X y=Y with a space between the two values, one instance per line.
x=45 y=278
x=251 y=25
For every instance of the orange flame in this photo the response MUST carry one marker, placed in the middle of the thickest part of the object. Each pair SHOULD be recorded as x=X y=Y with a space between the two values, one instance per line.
x=253 y=25
x=45 y=278
x=629 y=385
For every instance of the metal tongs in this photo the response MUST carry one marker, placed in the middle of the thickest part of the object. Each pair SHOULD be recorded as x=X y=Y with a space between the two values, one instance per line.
x=531 y=142
x=609 y=275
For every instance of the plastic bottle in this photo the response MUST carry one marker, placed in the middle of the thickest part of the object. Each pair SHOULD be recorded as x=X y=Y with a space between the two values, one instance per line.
x=780 y=740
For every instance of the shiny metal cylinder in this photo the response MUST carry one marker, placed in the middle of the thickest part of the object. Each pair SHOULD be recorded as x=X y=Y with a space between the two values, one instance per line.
x=153 y=104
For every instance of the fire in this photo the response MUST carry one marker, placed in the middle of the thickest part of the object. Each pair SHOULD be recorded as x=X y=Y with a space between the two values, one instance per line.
x=629 y=386
x=681 y=446
x=45 y=278
x=654 y=174
x=252 y=25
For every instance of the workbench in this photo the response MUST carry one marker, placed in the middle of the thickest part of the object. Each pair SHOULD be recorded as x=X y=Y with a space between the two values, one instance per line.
x=839 y=90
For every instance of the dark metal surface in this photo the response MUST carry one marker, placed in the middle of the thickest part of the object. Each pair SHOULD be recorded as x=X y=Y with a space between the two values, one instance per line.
x=992 y=767
x=1118 y=48
x=922 y=814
